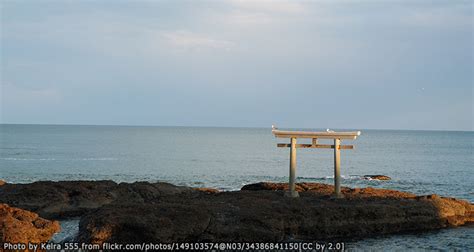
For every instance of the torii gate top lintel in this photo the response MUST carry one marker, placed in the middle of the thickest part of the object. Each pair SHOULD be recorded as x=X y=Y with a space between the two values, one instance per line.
x=336 y=136
x=314 y=134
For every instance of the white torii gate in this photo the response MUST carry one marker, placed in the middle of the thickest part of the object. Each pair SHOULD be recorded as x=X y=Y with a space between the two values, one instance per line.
x=336 y=136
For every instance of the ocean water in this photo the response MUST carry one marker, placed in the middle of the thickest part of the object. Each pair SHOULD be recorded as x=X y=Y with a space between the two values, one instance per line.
x=422 y=162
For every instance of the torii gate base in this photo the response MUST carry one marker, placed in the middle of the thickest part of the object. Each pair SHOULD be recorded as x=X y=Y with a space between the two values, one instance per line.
x=337 y=136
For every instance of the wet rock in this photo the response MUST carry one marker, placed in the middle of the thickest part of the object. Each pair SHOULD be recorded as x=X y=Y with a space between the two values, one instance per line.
x=2 y=182
x=21 y=226
x=377 y=177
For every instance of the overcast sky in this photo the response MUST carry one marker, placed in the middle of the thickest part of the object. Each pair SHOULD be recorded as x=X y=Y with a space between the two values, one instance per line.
x=319 y=64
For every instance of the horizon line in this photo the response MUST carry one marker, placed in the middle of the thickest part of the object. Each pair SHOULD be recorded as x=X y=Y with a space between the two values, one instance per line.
x=207 y=126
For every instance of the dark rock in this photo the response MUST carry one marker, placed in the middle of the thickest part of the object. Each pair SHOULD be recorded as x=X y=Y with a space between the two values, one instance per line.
x=377 y=177
x=265 y=215
x=21 y=226
x=207 y=190
x=318 y=189
x=165 y=222
x=65 y=199
x=140 y=192
x=58 y=199
x=161 y=212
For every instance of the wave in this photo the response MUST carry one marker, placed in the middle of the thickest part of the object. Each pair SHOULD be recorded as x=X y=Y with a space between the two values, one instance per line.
x=98 y=159
x=345 y=177
x=18 y=148
x=29 y=159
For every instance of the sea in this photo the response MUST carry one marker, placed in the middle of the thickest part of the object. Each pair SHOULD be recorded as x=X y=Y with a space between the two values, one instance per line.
x=421 y=162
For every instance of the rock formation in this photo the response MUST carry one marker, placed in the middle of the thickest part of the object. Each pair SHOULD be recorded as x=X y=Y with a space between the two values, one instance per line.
x=21 y=226
x=64 y=199
x=377 y=177
x=265 y=215
x=161 y=212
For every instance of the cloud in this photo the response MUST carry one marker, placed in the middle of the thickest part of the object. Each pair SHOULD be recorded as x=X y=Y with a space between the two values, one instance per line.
x=195 y=41
x=245 y=18
x=266 y=6
x=243 y=12
x=111 y=34
x=17 y=96
x=440 y=16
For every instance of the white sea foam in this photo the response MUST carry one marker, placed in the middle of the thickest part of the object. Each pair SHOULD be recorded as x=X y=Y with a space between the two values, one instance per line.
x=99 y=159
x=28 y=159
x=59 y=159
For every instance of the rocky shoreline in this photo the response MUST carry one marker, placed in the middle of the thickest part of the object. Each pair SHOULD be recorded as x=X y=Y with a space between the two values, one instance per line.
x=21 y=226
x=162 y=212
